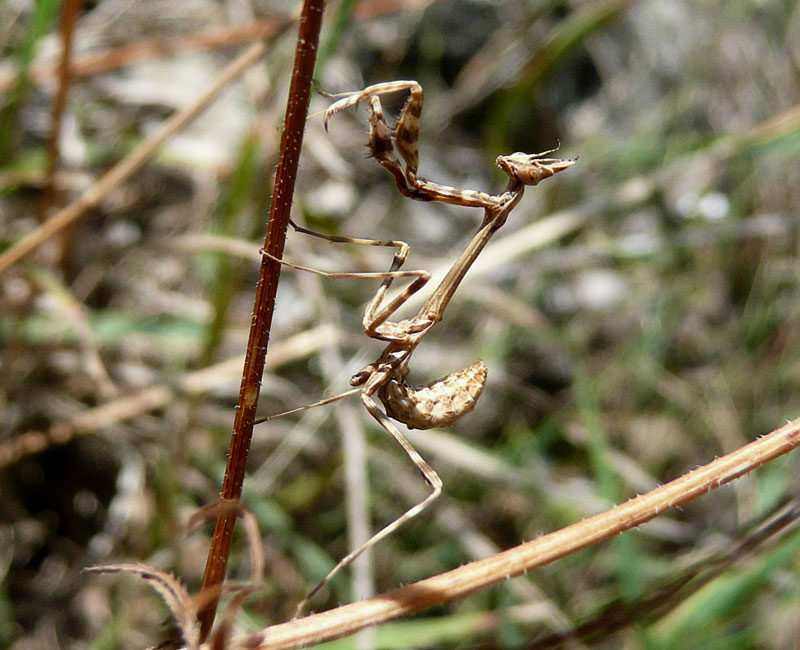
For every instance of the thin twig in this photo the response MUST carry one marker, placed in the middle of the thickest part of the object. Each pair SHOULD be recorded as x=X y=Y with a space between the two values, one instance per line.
x=278 y=222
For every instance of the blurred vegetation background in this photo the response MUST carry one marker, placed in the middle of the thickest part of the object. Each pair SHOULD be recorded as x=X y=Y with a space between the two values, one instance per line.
x=637 y=313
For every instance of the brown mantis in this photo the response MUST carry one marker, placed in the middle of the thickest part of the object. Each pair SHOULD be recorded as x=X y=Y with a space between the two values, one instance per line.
x=441 y=402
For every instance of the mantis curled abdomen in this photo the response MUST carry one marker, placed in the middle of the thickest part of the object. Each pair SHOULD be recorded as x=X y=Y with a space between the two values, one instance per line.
x=436 y=404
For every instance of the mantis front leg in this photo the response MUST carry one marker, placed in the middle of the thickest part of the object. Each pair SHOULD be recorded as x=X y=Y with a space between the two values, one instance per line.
x=384 y=141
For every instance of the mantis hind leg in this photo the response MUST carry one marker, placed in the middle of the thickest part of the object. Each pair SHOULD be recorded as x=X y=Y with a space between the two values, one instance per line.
x=428 y=473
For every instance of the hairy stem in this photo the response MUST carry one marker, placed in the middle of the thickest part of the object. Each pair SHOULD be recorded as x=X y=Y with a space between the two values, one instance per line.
x=278 y=221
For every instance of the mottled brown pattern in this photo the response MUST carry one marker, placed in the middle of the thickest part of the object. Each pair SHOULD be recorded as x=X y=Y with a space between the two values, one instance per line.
x=436 y=404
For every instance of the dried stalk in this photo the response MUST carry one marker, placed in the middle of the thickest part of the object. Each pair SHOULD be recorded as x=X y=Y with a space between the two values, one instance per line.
x=278 y=222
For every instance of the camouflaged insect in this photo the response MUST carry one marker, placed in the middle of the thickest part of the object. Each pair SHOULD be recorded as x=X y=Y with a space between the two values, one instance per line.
x=441 y=402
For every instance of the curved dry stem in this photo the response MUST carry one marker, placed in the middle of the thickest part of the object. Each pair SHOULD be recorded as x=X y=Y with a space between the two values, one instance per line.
x=222 y=507
x=169 y=588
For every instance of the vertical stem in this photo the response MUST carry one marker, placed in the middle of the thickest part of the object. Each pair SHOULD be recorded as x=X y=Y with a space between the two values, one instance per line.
x=69 y=13
x=291 y=141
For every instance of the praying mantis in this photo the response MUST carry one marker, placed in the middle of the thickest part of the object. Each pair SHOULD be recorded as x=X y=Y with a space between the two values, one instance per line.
x=443 y=401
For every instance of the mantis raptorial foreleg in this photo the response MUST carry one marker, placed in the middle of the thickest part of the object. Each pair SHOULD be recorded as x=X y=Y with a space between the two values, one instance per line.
x=384 y=141
x=442 y=402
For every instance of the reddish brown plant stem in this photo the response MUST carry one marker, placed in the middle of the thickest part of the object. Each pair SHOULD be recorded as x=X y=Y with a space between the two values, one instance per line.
x=278 y=222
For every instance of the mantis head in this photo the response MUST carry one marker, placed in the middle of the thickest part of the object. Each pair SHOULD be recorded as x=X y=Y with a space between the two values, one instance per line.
x=530 y=168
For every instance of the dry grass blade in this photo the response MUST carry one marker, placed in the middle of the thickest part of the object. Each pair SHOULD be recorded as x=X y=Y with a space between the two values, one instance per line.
x=64 y=303
x=198 y=382
x=170 y=589
x=126 y=167
x=674 y=592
